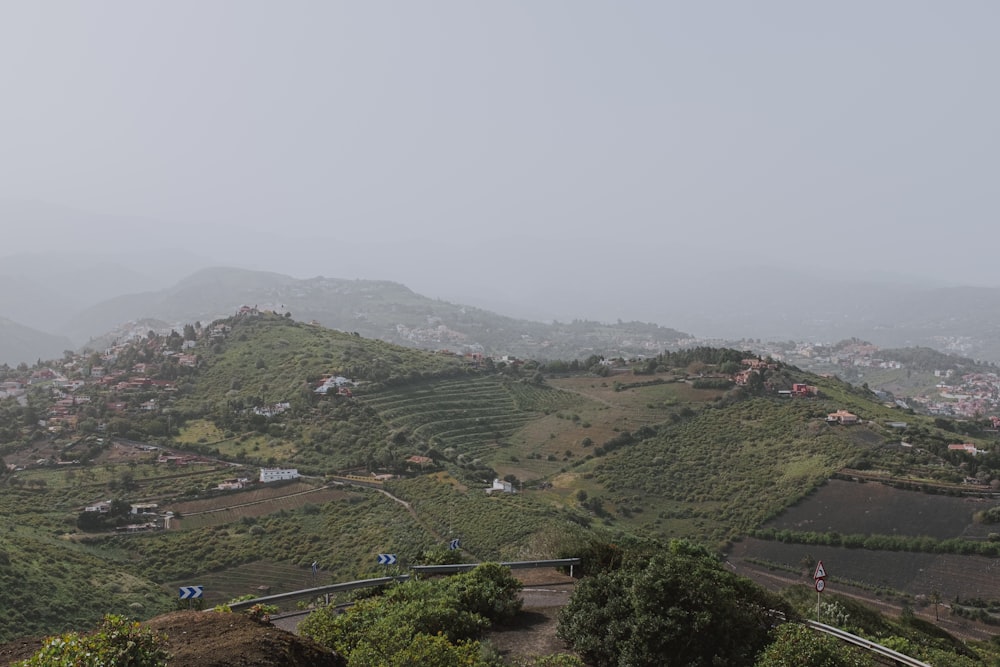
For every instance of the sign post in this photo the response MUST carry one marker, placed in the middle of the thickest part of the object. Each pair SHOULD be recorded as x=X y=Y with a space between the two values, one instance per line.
x=190 y=593
x=819 y=581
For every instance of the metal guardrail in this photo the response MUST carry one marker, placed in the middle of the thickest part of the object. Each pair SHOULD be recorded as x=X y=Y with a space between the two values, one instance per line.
x=514 y=565
x=319 y=590
x=417 y=569
x=866 y=644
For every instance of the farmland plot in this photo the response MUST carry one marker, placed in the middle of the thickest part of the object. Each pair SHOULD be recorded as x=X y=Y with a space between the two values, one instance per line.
x=470 y=415
x=905 y=572
x=876 y=509
x=260 y=578
x=259 y=502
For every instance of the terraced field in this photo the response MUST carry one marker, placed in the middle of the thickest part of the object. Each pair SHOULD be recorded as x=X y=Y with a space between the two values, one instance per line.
x=264 y=577
x=261 y=502
x=472 y=416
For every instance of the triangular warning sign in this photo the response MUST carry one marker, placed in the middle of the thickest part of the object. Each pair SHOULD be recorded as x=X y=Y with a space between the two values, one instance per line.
x=820 y=572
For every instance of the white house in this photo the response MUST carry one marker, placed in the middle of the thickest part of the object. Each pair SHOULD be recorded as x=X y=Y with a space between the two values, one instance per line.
x=501 y=485
x=277 y=474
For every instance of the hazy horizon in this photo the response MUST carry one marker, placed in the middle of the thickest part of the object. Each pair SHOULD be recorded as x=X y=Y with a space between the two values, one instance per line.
x=570 y=158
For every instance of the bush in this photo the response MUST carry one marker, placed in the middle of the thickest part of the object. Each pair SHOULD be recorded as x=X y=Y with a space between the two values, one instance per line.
x=489 y=590
x=118 y=642
x=798 y=645
x=440 y=616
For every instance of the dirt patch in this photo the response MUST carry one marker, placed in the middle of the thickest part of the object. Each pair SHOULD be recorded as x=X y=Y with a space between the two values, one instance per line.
x=208 y=639
x=533 y=632
x=19 y=649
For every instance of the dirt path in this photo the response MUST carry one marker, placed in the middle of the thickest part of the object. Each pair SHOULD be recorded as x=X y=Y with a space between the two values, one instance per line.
x=406 y=505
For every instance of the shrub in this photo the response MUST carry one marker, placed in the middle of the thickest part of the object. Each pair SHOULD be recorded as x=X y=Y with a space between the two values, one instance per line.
x=117 y=642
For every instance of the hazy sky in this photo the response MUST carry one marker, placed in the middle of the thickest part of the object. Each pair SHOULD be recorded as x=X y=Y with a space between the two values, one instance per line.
x=538 y=152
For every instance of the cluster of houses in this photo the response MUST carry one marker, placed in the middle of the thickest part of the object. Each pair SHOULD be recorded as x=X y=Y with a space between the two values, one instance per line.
x=434 y=334
x=970 y=396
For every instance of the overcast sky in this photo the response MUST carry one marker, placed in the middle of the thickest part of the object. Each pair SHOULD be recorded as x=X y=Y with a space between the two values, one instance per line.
x=535 y=152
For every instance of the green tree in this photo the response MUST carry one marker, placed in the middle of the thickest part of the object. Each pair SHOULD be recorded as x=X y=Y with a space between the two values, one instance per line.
x=679 y=608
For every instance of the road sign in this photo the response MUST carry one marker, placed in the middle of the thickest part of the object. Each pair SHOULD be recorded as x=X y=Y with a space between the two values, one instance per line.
x=820 y=571
x=820 y=585
x=387 y=559
x=189 y=592
x=454 y=544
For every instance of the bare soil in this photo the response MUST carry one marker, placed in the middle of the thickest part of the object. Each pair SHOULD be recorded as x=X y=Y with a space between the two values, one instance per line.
x=200 y=639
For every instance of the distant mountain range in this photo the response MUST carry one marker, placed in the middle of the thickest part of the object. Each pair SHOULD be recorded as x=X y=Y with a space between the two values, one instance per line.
x=62 y=304
x=375 y=309
x=19 y=343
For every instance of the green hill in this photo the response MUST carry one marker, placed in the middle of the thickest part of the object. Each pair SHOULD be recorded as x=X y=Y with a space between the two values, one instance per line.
x=667 y=448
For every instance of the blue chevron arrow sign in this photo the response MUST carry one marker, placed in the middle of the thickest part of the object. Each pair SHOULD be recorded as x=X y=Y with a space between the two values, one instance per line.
x=387 y=559
x=454 y=544
x=189 y=592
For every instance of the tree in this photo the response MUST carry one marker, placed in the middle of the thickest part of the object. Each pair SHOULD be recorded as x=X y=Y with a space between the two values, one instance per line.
x=935 y=599
x=679 y=608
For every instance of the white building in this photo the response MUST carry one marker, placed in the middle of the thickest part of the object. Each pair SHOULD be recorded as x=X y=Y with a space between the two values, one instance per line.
x=277 y=474
x=502 y=486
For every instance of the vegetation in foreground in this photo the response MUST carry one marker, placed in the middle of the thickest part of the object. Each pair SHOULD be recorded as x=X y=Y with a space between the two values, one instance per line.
x=654 y=605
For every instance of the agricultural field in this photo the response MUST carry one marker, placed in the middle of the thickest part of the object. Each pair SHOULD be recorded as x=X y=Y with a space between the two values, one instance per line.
x=639 y=405
x=264 y=577
x=257 y=503
x=491 y=526
x=342 y=534
x=877 y=572
x=606 y=407
x=726 y=469
x=843 y=508
x=199 y=431
x=468 y=417
x=877 y=509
